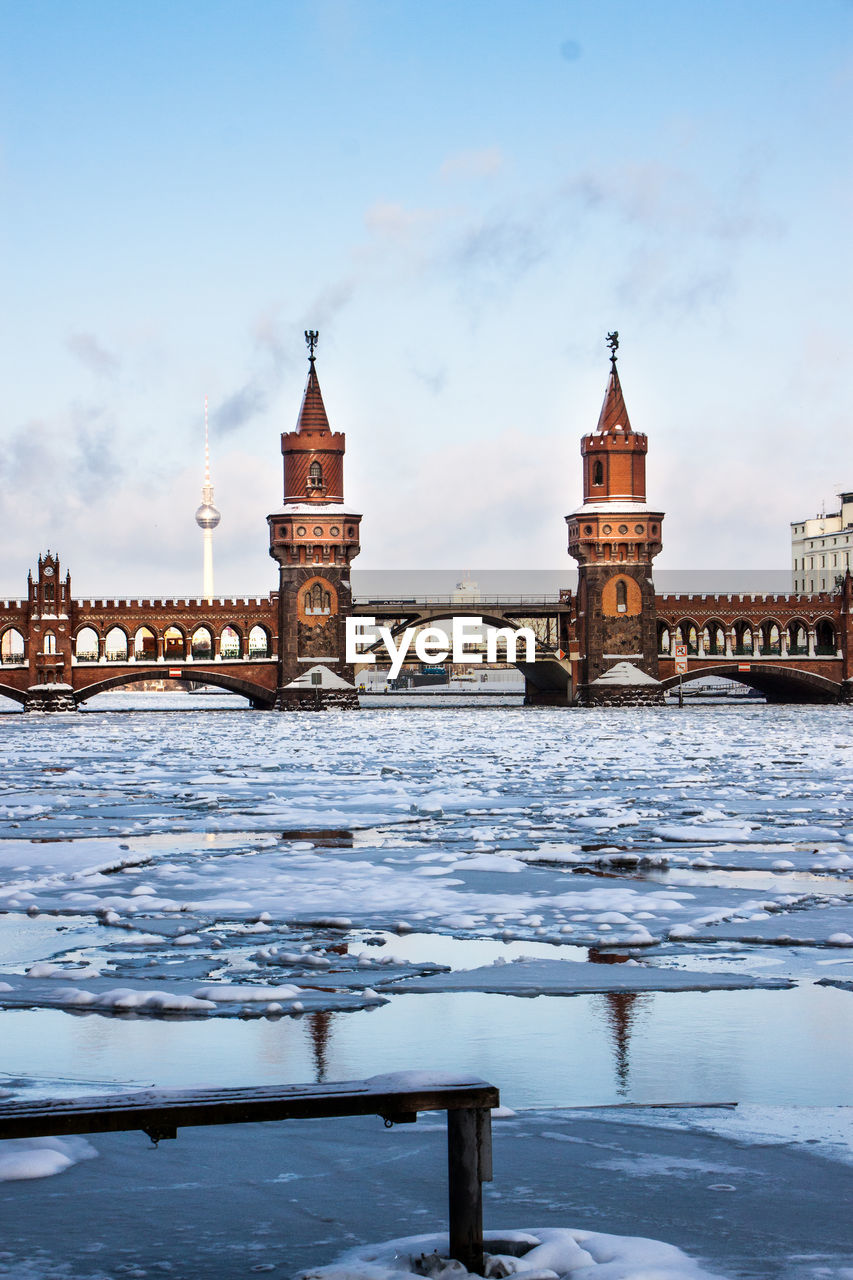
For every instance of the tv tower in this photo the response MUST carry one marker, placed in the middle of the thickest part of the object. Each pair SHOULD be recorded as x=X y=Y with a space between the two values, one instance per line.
x=207 y=517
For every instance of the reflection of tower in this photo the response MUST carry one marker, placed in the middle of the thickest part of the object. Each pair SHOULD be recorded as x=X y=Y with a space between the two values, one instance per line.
x=319 y=1026
x=621 y=1008
x=207 y=517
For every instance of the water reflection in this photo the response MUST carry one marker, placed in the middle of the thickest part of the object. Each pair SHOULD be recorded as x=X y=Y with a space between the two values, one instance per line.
x=320 y=1029
x=620 y=1010
x=788 y=1047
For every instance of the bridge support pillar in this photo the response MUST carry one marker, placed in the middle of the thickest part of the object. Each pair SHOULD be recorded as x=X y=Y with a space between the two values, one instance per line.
x=50 y=698
x=316 y=699
x=537 y=697
x=847 y=691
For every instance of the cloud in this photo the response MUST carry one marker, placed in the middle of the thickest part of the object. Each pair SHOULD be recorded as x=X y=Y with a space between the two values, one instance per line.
x=500 y=248
x=86 y=348
x=393 y=221
x=434 y=380
x=272 y=357
x=473 y=164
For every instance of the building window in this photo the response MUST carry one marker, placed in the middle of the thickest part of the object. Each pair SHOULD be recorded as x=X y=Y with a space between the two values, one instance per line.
x=598 y=472
x=316 y=600
x=316 y=677
x=621 y=597
x=49 y=642
x=315 y=476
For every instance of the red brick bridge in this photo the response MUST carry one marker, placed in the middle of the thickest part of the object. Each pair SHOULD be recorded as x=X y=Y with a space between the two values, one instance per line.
x=615 y=640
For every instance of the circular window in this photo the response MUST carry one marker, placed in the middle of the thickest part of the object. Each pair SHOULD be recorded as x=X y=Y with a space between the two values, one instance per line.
x=623 y=528
x=282 y=533
x=334 y=531
x=301 y=530
x=48 y=570
x=605 y=528
x=318 y=532
x=638 y=528
x=587 y=529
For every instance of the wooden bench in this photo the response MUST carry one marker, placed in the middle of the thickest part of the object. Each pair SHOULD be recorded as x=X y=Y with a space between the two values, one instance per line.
x=396 y=1098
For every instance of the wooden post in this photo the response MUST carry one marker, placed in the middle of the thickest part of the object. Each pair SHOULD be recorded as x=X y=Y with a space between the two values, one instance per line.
x=469 y=1152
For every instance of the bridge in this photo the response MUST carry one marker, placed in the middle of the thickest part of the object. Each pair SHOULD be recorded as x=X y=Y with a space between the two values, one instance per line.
x=613 y=641
x=548 y=679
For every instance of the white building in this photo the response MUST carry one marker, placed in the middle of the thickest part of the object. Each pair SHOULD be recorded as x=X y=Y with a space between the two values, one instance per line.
x=822 y=548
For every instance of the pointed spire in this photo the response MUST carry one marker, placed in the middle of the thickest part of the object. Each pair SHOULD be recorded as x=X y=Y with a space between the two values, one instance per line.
x=312 y=415
x=613 y=412
x=614 y=415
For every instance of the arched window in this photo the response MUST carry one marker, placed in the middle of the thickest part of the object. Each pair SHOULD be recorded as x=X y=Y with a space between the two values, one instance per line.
x=664 y=638
x=145 y=645
x=770 y=639
x=713 y=638
x=315 y=476
x=825 y=637
x=174 y=644
x=230 y=643
x=201 y=644
x=798 y=638
x=49 y=642
x=621 y=597
x=115 y=645
x=743 y=638
x=317 y=600
x=12 y=646
x=598 y=472
x=87 y=645
x=259 y=643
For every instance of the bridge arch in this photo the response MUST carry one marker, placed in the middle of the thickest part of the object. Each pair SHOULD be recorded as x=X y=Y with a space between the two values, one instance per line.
x=17 y=695
x=257 y=694
x=778 y=683
x=457 y=611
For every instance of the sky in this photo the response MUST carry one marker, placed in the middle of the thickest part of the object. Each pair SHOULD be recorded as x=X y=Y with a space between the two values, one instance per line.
x=463 y=198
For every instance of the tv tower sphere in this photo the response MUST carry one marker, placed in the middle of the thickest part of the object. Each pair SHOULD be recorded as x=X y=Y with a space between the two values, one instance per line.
x=207 y=516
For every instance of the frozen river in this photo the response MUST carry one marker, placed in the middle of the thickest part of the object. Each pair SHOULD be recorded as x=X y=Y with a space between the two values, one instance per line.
x=584 y=907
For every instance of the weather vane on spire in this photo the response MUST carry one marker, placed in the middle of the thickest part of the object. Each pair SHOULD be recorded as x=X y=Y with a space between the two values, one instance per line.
x=312 y=337
x=613 y=344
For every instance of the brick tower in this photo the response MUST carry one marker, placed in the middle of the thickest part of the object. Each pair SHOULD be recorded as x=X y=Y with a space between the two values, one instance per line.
x=313 y=538
x=49 y=649
x=614 y=536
